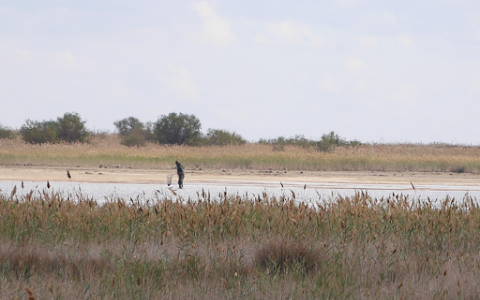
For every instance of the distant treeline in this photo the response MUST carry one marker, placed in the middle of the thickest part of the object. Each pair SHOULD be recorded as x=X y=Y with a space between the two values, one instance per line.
x=171 y=129
x=326 y=143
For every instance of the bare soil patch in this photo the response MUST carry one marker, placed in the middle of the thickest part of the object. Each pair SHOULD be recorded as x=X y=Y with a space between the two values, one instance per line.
x=126 y=175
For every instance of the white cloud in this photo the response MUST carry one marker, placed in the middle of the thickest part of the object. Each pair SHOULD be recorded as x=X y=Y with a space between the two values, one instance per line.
x=65 y=61
x=475 y=88
x=403 y=94
x=405 y=40
x=287 y=31
x=354 y=64
x=328 y=85
x=293 y=33
x=368 y=41
x=261 y=39
x=14 y=54
x=215 y=29
x=24 y=54
x=182 y=84
x=389 y=17
x=360 y=86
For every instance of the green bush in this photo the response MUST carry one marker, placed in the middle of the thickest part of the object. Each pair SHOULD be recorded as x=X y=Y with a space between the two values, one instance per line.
x=327 y=143
x=133 y=131
x=71 y=128
x=129 y=124
x=35 y=132
x=280 y=142
x=135 y=137
x=149 y=131
x=99 y=134
x=223 y=138
x=180 y=129
x=6 y=132
x=331 y=140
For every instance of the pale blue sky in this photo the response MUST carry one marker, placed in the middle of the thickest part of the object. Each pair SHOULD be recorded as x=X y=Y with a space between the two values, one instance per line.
x=376 y=71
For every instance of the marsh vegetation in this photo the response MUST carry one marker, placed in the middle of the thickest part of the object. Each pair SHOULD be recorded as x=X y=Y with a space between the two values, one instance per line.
x=67 y=142
x=106 y=149
x=237 y=247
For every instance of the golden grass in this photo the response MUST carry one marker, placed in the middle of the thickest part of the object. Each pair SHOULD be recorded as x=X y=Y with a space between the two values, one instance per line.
x=109 y=152
x=238 y=247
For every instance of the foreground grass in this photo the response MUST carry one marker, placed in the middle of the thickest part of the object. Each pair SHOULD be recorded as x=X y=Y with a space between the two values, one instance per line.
x=108 y=151
x=238 y=247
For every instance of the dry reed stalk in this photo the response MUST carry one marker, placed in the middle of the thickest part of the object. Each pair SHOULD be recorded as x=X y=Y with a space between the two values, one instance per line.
x=30 y=294
x=369 y=247
x=402 y=157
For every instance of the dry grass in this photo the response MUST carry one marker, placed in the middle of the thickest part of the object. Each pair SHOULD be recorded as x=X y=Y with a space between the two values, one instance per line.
x=108 y=151
x=238 y=247
x=281 y=256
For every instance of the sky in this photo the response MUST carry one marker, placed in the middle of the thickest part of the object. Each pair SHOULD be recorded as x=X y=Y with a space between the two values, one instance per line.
x=370 y=70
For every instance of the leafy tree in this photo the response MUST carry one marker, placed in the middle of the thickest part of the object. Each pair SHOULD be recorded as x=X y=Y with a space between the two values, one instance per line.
x=279 y=144
x=135 y=137
x=331 y=140
x=71 y=128
x=6 y=133
x=35 y=132
x=133 y=131
x=127 y=125
x=180 y=129
x=149 y=131
x=300 y=140
x=223 y=138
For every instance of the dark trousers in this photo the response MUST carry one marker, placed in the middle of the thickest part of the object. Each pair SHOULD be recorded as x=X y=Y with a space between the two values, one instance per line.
x=180 y=180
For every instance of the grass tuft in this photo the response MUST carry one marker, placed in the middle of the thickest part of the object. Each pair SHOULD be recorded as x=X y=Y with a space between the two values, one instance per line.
x=284 y=256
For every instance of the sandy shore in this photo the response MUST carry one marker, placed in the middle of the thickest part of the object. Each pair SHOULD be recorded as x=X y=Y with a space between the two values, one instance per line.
x=120 y=175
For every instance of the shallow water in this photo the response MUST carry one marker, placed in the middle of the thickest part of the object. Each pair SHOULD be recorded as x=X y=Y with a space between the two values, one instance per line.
x=309 y=193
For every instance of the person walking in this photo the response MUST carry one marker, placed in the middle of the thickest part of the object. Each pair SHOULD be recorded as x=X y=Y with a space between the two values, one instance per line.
x=181 y=174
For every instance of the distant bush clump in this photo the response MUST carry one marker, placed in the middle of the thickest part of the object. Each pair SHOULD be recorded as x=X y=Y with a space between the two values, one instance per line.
x=133 y=132
x=35 y=132
x=223 y=138
x=179 y=129
x=280 y=142
x=331 y=140
x=327 y=143
x=69 y=128
x=6 y=133
x=129 y=124
x=174 y=129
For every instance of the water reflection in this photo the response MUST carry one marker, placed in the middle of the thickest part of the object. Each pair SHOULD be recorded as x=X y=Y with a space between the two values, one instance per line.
x=100 y=192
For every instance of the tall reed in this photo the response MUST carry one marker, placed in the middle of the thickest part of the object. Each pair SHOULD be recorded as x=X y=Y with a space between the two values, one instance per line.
x=237 y=247
x=109 y=152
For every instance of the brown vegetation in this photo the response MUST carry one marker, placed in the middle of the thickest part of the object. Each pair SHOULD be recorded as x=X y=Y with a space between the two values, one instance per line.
x=107 y=150
x=238 y=247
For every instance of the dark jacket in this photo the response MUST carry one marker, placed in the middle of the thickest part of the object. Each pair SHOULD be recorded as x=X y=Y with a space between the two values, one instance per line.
x=180 y=169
